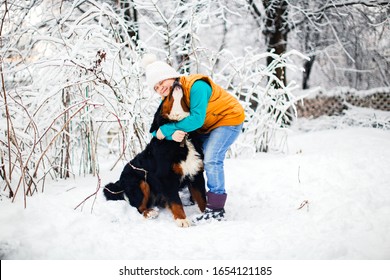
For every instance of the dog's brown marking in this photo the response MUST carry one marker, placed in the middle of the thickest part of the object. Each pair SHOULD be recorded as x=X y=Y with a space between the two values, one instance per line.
x=167 y=106
x=184 y=105
x=199 y=199
x=176 y=167
x=177 y=211
x=145 y=189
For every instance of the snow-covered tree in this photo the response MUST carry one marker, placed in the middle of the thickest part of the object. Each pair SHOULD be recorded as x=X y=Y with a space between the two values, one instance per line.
x=70 y=77
x=347 y=39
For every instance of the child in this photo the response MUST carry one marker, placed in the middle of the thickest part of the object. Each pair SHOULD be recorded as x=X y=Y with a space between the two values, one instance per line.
x=214 y=113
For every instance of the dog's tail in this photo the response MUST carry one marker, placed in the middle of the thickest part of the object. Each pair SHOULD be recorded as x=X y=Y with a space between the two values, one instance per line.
x=114 y=191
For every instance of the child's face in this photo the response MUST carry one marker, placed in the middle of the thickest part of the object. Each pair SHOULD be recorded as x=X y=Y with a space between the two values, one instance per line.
x=164 y=87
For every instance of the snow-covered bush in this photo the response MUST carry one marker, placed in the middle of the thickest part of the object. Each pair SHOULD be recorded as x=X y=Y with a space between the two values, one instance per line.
x=269 y=103
x=72 y=82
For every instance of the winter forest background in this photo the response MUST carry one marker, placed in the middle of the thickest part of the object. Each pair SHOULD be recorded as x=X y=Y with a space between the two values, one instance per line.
x=73 y=87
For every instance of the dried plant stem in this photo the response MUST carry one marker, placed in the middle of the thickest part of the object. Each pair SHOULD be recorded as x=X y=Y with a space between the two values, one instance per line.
x=305 y=202
x=299 y=173
x=91 y=195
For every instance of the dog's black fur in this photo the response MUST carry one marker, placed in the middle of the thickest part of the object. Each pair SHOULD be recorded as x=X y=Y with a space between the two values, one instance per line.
x=158 y=160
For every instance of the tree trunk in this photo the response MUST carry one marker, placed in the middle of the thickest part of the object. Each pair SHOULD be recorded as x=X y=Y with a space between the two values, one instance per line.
x=307 y=66
x=276 y=29
x=131 y=18
x=184 y=57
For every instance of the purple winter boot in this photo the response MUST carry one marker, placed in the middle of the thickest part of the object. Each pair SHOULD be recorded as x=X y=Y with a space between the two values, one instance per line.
x=214 y=209
x=216 y=201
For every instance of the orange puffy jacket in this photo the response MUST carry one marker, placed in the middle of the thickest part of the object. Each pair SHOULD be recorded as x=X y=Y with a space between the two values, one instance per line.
x=223 y=108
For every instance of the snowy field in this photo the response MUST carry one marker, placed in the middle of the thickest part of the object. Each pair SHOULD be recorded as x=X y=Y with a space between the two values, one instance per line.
x=341 y=177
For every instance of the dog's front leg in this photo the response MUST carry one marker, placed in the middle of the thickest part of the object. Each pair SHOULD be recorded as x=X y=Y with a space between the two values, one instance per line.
x=171 y=184
x=179 y=214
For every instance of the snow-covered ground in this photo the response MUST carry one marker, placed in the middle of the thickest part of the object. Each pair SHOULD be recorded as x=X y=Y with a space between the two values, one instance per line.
x=340 y=176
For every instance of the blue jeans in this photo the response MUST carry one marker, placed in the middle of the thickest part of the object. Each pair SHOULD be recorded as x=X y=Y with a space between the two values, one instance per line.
x=215 y=145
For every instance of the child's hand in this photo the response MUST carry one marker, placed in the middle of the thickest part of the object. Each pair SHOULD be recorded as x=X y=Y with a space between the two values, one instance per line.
x=160 y=135
x=178 y=135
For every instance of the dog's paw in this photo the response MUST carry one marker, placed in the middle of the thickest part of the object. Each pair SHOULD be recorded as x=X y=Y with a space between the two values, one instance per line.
x=150 y=213
x=183 y=222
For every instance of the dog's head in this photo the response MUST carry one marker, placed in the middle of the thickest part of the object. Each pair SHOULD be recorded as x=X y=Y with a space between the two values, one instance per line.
x=172 y=108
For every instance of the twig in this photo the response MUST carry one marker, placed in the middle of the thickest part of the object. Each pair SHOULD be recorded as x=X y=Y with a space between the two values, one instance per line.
x=123 y=142
x=91 y=195
x=299 y=172
x=7 y=114
x=305 y=202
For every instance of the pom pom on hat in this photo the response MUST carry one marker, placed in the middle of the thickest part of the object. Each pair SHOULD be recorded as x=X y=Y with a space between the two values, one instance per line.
x=157 y=70
x=148 y=58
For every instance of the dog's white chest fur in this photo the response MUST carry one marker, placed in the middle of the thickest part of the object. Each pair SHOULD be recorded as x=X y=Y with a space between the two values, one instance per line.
x=193 y=163
x=177 y=112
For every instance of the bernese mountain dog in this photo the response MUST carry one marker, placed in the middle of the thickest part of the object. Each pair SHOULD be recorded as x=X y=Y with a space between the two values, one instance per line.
x=154 y=177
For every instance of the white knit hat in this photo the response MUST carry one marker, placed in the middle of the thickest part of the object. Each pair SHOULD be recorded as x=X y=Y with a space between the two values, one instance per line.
x=156 y=70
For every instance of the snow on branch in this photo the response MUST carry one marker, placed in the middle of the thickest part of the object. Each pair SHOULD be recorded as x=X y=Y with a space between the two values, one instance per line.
x=269 y=103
